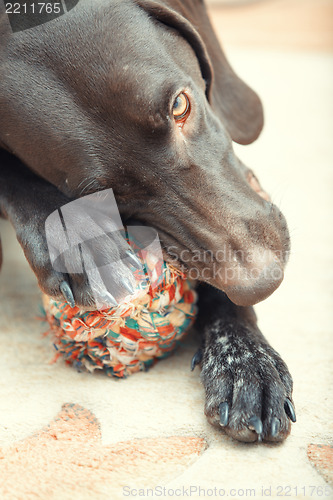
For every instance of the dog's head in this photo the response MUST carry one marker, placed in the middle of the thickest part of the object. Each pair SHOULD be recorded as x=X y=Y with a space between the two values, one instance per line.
x=131 y=96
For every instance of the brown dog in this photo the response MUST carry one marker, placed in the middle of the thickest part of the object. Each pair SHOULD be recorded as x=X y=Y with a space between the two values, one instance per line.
x=137 y=96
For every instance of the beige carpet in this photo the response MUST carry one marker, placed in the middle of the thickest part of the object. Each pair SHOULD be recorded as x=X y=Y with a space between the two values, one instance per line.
x=66 y=435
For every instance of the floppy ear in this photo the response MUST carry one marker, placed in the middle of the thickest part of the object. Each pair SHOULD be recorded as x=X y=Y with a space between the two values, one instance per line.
x=171 y=18
x=234 y=102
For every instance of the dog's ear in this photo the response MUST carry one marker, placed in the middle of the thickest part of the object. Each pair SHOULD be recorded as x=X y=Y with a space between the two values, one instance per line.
x=236 y=104
x=173 y=19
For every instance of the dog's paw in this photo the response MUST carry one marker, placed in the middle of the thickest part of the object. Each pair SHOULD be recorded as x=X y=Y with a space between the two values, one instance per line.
x=73 y=276
x=248 y=389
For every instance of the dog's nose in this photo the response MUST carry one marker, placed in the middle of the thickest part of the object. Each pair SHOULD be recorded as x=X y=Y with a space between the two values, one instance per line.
x=252 y=291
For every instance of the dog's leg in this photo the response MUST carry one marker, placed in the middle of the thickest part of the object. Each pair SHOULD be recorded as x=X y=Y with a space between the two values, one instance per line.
x=248 y=386
x=26 y=200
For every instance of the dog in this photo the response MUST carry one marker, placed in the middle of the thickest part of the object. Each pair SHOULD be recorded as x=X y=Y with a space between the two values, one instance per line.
x=138 y=96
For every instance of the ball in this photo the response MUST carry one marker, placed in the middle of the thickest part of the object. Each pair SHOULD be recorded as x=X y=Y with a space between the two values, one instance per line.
x=144 y=327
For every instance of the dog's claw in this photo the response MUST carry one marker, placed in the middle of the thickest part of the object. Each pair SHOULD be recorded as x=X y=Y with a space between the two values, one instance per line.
x=255 y=424
x=128 y=286
x=224 y=413
x=290 y=410
x=275 y=426
x=197 y=358
x=108 y=299
x=134 y=258
x=67 y=293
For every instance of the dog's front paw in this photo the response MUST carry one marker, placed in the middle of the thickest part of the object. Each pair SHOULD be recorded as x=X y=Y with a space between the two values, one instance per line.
x=87 y=275
x=248 y=388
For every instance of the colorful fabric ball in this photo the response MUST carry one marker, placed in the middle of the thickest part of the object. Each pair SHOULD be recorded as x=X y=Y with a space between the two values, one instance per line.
x=129 y=337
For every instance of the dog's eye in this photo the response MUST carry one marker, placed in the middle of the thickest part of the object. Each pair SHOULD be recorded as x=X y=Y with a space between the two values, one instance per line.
x=181 y=107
